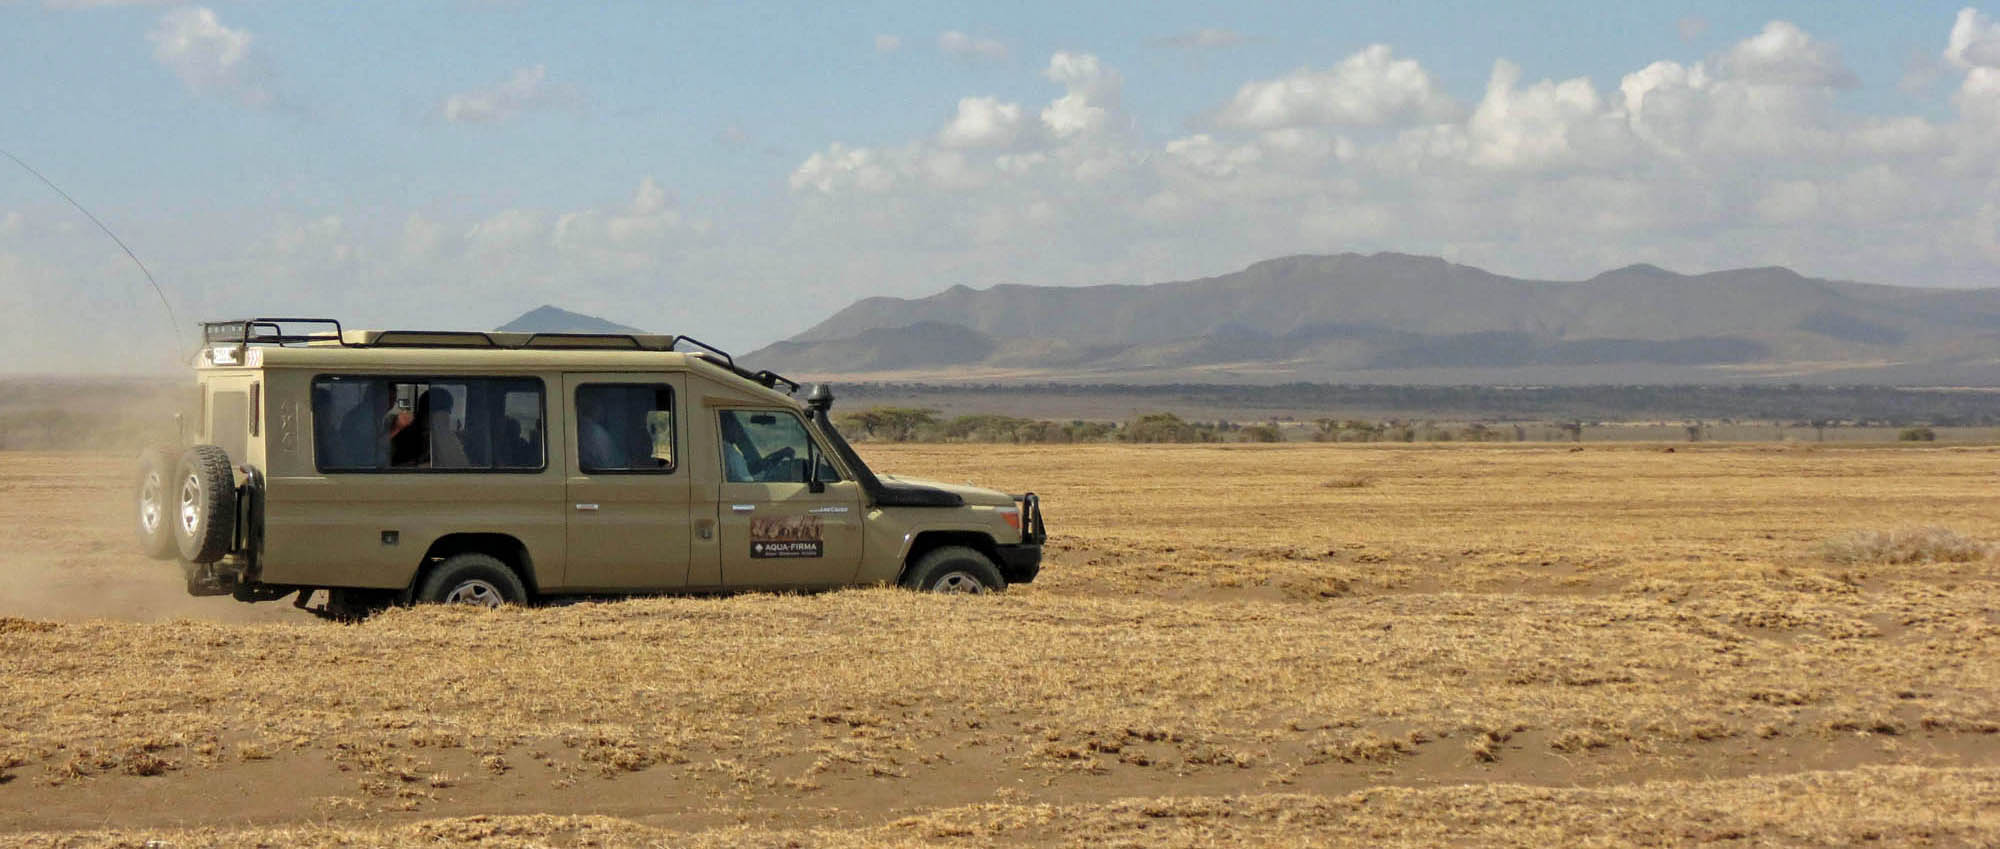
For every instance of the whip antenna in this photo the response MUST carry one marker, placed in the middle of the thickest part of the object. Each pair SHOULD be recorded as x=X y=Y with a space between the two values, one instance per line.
x=173 y=321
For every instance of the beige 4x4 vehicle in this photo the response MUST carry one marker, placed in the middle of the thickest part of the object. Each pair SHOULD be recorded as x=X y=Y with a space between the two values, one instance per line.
x=491 y=468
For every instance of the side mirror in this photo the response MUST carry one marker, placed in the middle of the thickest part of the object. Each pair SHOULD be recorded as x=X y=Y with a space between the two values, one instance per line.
x=808 y=471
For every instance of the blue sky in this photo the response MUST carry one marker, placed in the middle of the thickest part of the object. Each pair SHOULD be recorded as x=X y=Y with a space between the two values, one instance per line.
x=738 y=171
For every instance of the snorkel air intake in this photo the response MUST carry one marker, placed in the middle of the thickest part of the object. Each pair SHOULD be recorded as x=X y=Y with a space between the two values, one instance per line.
x=819 y=402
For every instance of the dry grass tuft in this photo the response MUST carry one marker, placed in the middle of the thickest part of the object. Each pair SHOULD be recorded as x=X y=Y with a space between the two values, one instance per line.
x=1348 y=482
x=12 y=625
x=1907 y=546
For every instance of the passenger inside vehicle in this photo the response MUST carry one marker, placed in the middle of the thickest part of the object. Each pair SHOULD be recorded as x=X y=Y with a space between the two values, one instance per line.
x=446 y=443
x=362 y=437
x=594 y=444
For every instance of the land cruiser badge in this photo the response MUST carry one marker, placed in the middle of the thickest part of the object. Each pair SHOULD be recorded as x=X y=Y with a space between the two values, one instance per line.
x=785 y=536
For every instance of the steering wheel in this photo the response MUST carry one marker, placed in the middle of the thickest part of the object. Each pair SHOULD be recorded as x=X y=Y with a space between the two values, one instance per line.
x=762 y=464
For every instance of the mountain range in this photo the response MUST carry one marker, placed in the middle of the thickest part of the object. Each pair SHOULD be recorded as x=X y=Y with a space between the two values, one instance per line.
x=1396 y=318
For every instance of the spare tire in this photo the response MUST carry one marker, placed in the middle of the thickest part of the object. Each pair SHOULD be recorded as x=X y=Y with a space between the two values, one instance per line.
x=204 y=517
x=153 y=504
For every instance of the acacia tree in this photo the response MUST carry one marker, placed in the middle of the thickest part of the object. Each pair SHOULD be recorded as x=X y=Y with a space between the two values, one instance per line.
x=894 y=424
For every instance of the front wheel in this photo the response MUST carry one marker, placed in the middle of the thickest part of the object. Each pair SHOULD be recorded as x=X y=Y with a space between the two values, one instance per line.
x=954 y=569
x=478 y=580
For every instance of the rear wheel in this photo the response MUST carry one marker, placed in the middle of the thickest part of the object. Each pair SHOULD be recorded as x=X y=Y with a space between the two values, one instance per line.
x=479 y=580
x=152 y=505
x=954 y=569
x=204 y=504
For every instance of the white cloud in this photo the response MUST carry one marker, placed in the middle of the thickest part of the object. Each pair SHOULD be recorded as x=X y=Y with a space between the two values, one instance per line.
x=506 y=232
x=1978 y=98
x=629 y=237
x=1209 y=38
x=1209 y=157
x=323 y=240
x=1091 y=94
x=840 y=167
x=11 y=223
x=527 y=88
x=955 y=43
x=422 y=237
x=888 y=43
x=982 y=122
x=1541 y=125
x=1789 y=201
x=1783 y=54
x=210 y=58
x=1974 y=41
x=1371 y=87
x=1664 y=76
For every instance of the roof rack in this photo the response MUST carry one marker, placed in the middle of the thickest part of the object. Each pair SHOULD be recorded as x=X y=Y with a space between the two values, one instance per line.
x=709 y=353
x=268 y=331
x=283 y=332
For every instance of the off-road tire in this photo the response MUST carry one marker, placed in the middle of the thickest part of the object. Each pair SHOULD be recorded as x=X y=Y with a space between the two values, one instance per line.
x=204 y=504
x=153 y=504
x=954 y=569
x=475 y=579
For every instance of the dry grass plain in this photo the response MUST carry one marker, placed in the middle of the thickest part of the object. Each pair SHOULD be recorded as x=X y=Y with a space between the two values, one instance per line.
x=1274 y=645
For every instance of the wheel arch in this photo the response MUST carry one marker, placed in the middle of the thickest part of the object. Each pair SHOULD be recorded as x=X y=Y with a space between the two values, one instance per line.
x=502 y=547
x=925 y=542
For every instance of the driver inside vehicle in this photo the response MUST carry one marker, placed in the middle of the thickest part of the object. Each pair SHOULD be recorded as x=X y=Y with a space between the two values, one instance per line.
x=742 y=462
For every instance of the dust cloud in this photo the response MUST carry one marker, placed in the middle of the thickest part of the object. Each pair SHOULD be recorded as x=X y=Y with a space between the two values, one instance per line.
x=67 y=551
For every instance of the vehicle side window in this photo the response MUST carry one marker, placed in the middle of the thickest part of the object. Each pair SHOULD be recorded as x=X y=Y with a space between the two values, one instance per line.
x=625 y=428
x=373 y=424
x=769 y=446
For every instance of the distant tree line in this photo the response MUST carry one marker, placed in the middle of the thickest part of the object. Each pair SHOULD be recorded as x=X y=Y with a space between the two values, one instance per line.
x=914 y=424
x=1879 y=406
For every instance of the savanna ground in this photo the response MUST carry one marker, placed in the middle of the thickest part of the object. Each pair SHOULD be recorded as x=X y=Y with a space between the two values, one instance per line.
x=1527 y=645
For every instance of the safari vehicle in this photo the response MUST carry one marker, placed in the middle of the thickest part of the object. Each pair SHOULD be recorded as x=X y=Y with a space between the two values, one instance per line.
x=387 y=467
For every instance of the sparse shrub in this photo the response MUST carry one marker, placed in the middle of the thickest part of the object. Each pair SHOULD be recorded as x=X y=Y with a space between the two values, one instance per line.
x=1917 y=434
x=987 y=427
x=1262 y=433
x=1912 y=545
x=894 y=424
x=1083 y=431
x=1165 y=427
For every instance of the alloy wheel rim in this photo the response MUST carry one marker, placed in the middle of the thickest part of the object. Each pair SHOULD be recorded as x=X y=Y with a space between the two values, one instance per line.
x=475 y=593
x=190 y=504
x=959 y=583
x=149 y=502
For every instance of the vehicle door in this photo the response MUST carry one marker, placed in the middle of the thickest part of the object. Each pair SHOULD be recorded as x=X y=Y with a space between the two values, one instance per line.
x=781 y=524
x=627 y=493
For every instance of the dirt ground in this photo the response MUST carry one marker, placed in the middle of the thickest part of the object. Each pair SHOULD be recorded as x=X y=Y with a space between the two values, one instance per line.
x=1292 y=645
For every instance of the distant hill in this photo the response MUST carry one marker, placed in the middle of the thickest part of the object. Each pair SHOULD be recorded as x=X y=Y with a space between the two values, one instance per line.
x=1395 y=318
x=548 y=319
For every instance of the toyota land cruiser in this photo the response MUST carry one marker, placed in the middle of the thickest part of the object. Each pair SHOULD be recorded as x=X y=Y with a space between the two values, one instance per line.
x=387 y=467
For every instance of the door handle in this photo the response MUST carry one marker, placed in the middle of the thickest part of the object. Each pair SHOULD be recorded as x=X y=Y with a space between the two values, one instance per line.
x=586 y=508
x=743 y=508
